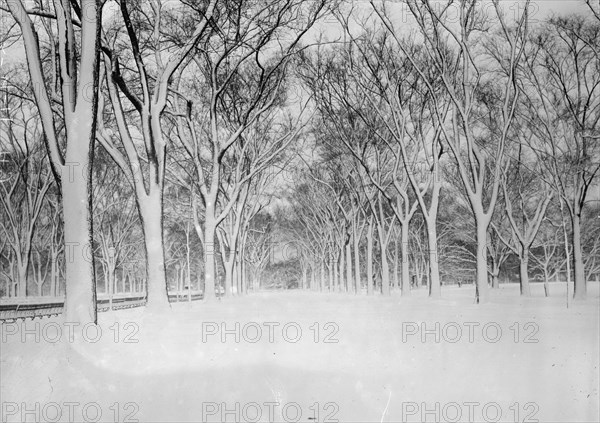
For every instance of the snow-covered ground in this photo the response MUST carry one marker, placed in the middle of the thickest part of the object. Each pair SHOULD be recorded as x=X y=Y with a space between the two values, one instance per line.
x=329 y=357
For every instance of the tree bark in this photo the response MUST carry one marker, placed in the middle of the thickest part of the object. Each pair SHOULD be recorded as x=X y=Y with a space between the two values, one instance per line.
x=481 y=285
x=357 y=281
x=209 y=256
x=80 y=301
x=405 y=261
x=524 y=272
x=349 y=283
x=370 y=258
x=435 y=284
x=580 y=292
x=151 y=215
x=342 y=262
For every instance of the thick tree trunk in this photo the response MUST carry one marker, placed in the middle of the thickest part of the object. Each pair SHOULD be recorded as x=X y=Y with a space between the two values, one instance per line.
x=496 y=279
x=481 y=284
x=405 y=261
x=524 y=273
x=80 y=300
x=580 y=292
x=22 y=270
x=151 y=215
x=228 y=265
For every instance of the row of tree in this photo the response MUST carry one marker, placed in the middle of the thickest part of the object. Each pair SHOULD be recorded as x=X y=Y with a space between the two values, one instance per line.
x=183 y=96
x=481 y=114
x=171 y=125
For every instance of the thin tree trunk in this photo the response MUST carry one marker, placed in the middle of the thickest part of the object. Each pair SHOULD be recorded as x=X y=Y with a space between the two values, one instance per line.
x=331 y=276
x=435 y=283
x=342 y=263
x=580 y=292
x=322 y=278
x=209 y=256
x=349 y=283
x=370 y=258
x=396 y=282
x=405 y=261
x=546 y=284
x=357 y=281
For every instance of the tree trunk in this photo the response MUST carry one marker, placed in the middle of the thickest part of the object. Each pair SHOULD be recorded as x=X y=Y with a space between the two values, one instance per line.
x=151 y=215
x=580 y=292
x=22 y=270
x=53 y=275
x=496 y=279
x=481 y=284
x=524 y=272
x=304 y=278
x=342 y=263
x=228 y=265
x=396 y=282
x=546 y=284
x=80 y=300
x=209 y=256
x=331 y=277
x=435 y=284
x=357 y=282
x=385 y=273
x=322 y=278
x=240 y=268
x=349 y=283
x=405 y=261
x=370 y=258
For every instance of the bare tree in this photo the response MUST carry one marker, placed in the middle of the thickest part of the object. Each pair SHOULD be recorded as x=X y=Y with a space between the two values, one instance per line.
x=243 y=63
x=562 y=99
x=456 y=54
x=22 y=195
x=144 y=85
x=525 y=204
x=73 y=88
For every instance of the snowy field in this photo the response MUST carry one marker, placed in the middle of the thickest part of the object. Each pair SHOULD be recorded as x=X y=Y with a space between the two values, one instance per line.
x=309 y=357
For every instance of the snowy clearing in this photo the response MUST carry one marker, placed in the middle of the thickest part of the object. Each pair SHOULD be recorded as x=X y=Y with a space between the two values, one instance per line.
x=308 y=357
